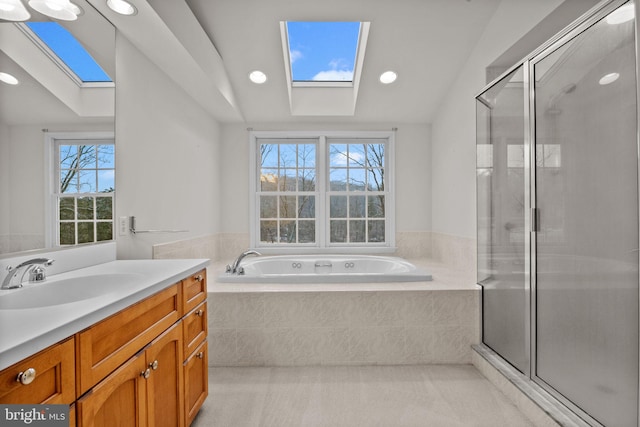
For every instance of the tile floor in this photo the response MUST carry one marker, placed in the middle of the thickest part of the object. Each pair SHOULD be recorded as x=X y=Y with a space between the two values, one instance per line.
x=355 y=396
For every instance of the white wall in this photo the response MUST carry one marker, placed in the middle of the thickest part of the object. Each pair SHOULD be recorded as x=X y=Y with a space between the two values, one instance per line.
x=453 y=137
x=413 y=178
x=166 y=156
x=4 y=180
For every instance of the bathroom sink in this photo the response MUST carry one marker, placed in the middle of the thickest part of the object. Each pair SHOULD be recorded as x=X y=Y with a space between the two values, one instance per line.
x=68 y=290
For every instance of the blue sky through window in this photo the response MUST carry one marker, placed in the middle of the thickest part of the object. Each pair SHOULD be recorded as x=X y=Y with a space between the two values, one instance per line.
x=323 y=51
x=69 y=50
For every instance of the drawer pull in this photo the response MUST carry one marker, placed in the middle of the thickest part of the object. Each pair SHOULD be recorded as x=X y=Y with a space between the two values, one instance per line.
x=146 y=373
x=198 y=278
x=154 y=365
x=27 y=376
x=199 y=313
x=200 y=355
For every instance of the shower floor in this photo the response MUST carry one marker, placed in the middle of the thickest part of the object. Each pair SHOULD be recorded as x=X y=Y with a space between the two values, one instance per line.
x=354 y=396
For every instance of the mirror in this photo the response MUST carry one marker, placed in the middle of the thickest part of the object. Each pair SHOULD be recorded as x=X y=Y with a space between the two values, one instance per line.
x=46 y=101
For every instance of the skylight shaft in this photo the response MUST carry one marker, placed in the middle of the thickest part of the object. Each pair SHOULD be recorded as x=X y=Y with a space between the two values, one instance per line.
x=69 y=51
x=323 y=51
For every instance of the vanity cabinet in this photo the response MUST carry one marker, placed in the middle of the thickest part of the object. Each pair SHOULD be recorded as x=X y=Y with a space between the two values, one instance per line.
x=196 y=381
x=118 y=400
x=46 y=377
x=145 y=365
x=195 y=329
x=147 y=388
x=107 y=344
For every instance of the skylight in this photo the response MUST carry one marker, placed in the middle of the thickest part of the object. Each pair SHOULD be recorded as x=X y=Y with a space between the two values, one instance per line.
x=69 y=51
x=323 y=51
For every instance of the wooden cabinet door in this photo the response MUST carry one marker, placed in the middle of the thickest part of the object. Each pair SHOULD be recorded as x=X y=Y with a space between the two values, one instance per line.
x=109 y=343
x=196 y=383
x=119 y=400
x=53 y=382
x=165 y=383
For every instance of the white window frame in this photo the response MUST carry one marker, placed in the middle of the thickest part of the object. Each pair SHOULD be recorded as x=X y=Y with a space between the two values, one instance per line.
x=52 y=179
x=322 y=194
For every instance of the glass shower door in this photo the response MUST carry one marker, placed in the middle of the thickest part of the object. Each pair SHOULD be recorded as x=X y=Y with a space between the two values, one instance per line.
x=586 y=195
x=501 y=212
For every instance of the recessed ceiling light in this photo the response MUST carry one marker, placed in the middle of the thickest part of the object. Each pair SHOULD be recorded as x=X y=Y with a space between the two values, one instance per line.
x=258 y=77
x=8 y=79
x=608 y=78
x=622 y=14
x=58 y=9
x=13 y=10
x=122 y=7
x=76 y=9
x=388 y=77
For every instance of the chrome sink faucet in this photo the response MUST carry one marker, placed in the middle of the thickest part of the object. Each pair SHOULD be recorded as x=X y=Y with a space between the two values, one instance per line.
x=35 y=267
x=235 y=267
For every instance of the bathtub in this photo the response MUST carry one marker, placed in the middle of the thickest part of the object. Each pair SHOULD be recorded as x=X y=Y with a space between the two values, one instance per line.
x=326 y=269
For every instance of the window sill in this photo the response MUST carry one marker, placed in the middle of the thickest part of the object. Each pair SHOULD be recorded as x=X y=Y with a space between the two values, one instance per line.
x=333 y=250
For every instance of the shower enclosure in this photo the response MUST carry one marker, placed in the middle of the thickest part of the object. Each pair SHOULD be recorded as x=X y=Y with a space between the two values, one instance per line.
x=557 y=180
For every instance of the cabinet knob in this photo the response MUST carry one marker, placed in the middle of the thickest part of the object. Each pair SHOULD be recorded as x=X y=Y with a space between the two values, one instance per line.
x=200 y=355
x=146 y=373
x=154 y=365
x=199 y=313
x=199 y=278
x=27 y=376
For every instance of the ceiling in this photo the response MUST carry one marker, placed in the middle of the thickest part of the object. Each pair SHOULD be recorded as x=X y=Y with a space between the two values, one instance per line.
x=209 y=47
x=425 y=42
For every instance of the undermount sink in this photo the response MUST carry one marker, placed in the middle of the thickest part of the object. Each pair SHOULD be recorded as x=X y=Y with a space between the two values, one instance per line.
x=63 y=291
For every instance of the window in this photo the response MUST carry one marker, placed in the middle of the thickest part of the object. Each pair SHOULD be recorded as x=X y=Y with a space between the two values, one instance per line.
x=70 y=55
x=323 y=51
x=321 y=191
x=356 y=190
x=83 y=190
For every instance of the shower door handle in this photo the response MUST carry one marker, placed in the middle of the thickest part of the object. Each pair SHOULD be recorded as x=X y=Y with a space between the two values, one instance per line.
x=534 y=220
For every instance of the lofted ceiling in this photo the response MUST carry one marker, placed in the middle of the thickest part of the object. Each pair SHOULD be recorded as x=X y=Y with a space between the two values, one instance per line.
x=425 y=42
x=209 y=47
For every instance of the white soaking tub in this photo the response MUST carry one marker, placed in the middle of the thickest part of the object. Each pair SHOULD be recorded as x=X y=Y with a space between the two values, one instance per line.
x=326 y=269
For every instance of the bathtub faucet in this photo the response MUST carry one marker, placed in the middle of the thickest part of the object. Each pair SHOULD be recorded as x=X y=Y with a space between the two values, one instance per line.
x=235 y=267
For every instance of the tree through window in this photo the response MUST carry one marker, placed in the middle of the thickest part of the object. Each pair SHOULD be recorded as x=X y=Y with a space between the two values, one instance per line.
x=321 y=191
x=85 y=189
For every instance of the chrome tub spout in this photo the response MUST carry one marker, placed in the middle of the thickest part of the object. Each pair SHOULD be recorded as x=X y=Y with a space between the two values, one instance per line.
x=234 y=268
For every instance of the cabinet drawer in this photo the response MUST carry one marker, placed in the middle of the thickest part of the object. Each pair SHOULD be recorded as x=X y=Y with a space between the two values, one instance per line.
x=54 y=380
x=196 y=383
x=194 y=290
x=194 y=327
x=109 y=343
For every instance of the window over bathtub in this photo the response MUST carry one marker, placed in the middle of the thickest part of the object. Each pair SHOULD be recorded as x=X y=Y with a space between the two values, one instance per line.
x=322 y=190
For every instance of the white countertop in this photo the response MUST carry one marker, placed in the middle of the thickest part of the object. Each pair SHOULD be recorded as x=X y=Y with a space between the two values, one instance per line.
x=24 y=332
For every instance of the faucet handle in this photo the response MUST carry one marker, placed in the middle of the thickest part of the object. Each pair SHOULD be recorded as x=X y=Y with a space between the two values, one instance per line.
x=37 y=274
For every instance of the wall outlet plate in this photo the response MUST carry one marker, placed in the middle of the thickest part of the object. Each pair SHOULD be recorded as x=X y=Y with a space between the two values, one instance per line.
x=123 y=225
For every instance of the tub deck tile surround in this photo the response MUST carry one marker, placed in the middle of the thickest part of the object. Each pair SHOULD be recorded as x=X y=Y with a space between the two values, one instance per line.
x=313 y=324
x=344 y=324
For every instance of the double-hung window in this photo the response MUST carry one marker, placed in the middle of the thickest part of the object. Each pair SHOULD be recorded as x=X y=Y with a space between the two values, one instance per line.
x=322 y=190
x=83 y=188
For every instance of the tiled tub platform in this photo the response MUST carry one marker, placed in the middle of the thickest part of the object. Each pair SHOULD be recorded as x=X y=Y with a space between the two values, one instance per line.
x=344 y=324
